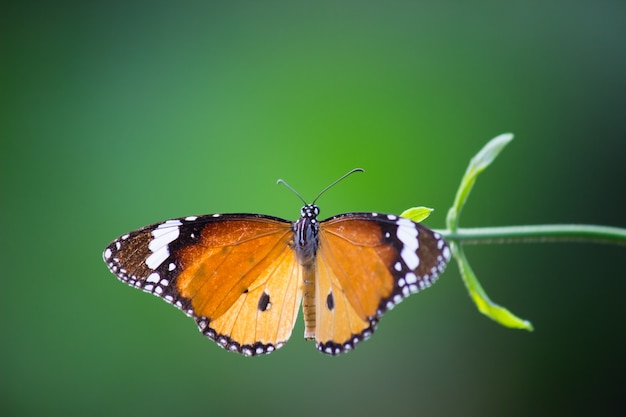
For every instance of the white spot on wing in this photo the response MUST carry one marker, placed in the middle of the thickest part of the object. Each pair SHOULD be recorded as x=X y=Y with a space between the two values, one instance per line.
x=153 y=277
x=156 y=259
x=164 y=234
x=107 y=253
x=407 y=234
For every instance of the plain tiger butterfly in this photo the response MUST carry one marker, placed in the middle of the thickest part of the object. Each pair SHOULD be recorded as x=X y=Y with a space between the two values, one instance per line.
x=242 y=277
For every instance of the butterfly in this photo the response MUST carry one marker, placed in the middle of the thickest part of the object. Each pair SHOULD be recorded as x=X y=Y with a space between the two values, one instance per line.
x=243 y=277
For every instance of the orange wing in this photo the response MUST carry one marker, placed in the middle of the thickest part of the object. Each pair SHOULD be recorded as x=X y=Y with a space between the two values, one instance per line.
x=236 y=275
x=366 y=264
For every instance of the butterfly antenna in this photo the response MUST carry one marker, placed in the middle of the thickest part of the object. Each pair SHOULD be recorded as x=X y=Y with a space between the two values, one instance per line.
x=280 y=181
x=336 y=181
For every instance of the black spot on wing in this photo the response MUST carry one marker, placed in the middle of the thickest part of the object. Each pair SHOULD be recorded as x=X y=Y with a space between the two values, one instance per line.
x=330 y=301
x=264 y=302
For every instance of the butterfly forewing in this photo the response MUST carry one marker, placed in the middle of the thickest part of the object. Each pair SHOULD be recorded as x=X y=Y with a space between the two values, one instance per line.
x=366 y=264
x=235 y=274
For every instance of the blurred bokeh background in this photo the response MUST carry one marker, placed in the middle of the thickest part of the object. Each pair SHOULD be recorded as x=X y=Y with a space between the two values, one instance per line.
x=118 y=114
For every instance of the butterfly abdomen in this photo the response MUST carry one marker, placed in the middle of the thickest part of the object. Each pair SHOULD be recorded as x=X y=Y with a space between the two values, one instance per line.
x=308 y=302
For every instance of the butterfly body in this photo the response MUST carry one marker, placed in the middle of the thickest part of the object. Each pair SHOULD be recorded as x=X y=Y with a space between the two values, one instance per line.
x=242 y=277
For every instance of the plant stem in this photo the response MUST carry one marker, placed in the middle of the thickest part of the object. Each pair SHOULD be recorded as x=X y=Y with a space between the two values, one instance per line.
x=538 y=233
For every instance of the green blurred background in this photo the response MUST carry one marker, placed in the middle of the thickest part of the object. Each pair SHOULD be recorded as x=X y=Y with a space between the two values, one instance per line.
x=118 y=114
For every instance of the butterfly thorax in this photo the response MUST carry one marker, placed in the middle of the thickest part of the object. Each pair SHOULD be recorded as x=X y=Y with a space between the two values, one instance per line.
x=306 y=230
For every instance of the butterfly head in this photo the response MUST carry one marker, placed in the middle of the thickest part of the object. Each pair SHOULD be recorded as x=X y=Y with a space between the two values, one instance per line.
x=310 y=211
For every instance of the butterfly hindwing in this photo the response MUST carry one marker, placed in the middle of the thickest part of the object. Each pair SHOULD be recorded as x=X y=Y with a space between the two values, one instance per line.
x=235 y=274
x=366 y=264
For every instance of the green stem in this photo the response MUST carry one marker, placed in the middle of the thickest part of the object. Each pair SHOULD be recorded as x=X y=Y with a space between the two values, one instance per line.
x=538 y=233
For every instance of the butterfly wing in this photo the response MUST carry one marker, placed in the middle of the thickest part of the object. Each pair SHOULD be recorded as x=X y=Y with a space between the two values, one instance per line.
x=366 y=264
x=235 y=274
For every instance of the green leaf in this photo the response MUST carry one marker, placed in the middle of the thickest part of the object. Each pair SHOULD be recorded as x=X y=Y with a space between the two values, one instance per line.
x=477 y=165
x=481 y=299
x=417 y=214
